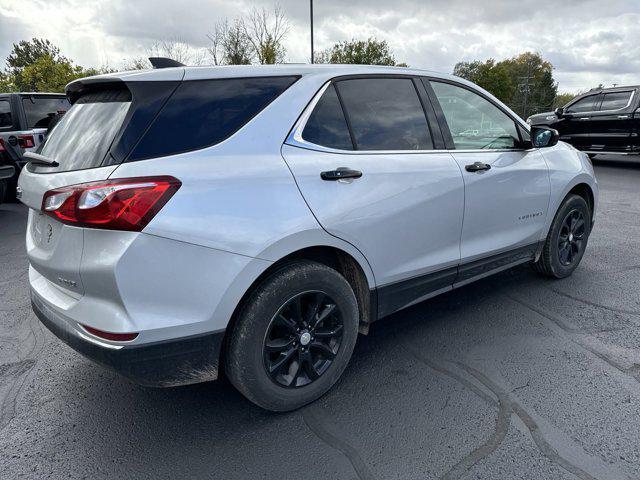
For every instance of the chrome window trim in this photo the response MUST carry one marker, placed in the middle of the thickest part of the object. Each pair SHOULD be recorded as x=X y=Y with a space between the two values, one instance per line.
x=633 y=93
x=295 y=139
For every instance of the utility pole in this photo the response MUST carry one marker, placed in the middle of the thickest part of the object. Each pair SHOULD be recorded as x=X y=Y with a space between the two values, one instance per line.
x=525 y=87
x=311 y=13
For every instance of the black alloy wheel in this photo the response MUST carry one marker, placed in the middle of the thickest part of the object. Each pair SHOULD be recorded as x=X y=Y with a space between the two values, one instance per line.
x=571 y=237
x=303 y=339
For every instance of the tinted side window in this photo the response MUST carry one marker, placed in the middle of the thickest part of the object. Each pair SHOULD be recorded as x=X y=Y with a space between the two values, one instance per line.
x=5 y=114
x=385 y=114
x=475 y=122
x=40 y=110
x=326 y=125
x=202 y=113
x=586 y=104
x=615 y=100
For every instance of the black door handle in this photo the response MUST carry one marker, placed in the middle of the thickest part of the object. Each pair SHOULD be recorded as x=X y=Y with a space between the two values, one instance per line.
x=477 y=167
x=340 y=173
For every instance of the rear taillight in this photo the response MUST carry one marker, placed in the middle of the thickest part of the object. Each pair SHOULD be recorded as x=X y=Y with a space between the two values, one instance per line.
x=121 y=204
x=2 y=149
x=26 y=141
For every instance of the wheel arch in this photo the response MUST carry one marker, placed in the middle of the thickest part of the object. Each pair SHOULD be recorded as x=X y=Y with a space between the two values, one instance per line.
x=332 y=256
x=585 y=191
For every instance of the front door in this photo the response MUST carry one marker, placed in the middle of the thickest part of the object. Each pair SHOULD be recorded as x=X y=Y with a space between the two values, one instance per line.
x=507 y=187
x=371 y=176
x=575 y=125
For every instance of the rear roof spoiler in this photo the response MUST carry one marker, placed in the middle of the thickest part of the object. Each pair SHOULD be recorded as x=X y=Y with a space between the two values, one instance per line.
x=162 y=62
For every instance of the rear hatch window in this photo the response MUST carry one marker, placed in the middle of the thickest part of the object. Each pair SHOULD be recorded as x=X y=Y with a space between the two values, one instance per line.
x=40 y=110
x=84 y=134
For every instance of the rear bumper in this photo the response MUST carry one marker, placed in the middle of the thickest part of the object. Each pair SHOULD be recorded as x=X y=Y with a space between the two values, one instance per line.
x=161 y=364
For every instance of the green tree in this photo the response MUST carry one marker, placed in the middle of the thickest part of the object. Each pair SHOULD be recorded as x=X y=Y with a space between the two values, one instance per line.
x=26 y=52
x=48 y=75
x=6 y=83
x=535 y=87
x=525 y=82
x=493 y=77
x=562 y=99
x=361 y=52
x=38 y=66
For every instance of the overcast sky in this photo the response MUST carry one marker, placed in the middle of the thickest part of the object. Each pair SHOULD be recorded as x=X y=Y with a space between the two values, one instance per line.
x=588 y=41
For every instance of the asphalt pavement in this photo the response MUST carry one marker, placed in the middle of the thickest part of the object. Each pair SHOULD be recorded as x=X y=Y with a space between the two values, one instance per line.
x=514 y=377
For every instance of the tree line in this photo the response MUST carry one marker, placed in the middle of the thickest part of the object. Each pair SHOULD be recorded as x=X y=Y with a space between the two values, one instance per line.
x=524 y=82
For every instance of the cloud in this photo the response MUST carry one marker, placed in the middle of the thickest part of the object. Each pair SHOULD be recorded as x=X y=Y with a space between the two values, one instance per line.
x=588 y=41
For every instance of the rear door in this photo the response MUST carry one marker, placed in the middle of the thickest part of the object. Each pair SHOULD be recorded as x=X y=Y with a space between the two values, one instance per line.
x=507 y=186
x=612 y=123
x=80 y=143
x=363 y=156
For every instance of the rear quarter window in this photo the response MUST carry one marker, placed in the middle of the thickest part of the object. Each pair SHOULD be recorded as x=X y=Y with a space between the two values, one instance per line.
x=40 y=110
x=202 y=113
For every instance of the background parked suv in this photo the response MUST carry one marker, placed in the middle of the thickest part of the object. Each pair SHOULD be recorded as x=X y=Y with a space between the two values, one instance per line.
x=24 y=120
x=599 y=121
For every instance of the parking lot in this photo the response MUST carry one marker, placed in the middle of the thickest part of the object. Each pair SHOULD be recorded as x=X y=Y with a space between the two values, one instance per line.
x=512 y=377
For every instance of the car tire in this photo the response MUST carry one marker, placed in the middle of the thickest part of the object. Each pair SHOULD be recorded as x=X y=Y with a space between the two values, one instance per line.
x=3 y=190
x=275 y=355
x=567 y=239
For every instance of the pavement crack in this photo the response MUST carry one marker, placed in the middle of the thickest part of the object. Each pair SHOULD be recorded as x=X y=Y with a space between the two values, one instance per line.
x=539 y=439
x=503 y=420
x=594 y=304
x=316 y=425
x=520 y=387
x=602 y=356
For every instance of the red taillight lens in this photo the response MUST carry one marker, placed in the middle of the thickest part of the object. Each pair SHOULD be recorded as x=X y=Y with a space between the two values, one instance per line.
x=26 y=141
x=118 y=337
x=121 y=204
x=2 y=149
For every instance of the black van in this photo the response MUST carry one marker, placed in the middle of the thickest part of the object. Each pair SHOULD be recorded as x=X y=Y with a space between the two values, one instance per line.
x=599 y=121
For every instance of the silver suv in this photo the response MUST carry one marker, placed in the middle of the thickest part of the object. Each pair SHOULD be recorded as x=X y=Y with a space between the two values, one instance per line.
x=185 y=222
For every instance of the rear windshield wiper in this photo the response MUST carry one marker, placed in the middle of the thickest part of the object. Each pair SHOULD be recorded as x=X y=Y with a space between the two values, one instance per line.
x=37 y=159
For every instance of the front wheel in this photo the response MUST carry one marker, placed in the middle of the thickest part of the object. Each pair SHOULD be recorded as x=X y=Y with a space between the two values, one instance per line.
x=293 y=336
x=567 y=239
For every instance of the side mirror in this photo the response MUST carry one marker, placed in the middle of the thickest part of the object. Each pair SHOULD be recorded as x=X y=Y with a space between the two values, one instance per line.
x=559 y=112
x=542 y=137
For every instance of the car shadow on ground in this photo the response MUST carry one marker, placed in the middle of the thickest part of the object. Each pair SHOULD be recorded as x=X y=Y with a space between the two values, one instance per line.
x=215 y=412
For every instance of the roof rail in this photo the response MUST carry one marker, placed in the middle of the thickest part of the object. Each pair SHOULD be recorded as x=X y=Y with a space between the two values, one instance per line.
x=162 y=62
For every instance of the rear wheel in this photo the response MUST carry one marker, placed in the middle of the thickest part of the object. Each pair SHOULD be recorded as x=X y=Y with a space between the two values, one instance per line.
x=293 y=337
x=567 y=239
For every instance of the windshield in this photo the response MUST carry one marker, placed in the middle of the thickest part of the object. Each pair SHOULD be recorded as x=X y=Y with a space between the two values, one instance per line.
x=84 y=134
